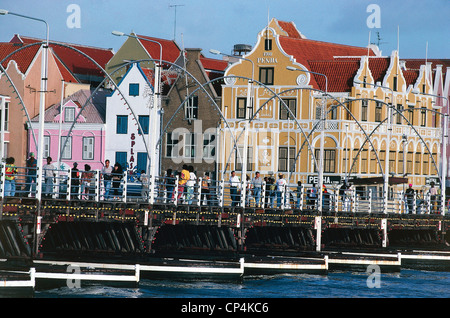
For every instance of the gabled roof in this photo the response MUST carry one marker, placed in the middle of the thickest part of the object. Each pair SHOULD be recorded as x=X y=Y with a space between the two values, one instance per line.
x=290 y=29
x=93 y=112
x=23 y=58
x=170 y=50
x=310 y=50
x=72 y=60
x=414 y=64
x=213 y=64
x=305 y=50
x=214 y=69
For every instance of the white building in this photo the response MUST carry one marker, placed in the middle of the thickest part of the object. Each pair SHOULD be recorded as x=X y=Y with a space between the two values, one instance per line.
x=127 y=106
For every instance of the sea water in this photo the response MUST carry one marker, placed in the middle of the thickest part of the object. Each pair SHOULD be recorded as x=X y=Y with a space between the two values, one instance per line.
x=407 y=283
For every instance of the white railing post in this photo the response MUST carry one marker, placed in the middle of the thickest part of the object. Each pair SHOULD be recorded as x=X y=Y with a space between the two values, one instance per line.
x=125 y=181
x=199 y=191
x=263 y=194
x=3 y=179
x=175 y=198
x=221 y=193
x=353 y=203
x=370 y=201
x=243 y=186
x=302 y=197
x=384 y=229
x=318 y=228
x=335 y=198
x=151 y=189
x=97 y=185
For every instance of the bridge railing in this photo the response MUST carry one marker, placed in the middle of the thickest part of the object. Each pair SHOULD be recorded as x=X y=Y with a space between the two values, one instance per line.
x=93 y=185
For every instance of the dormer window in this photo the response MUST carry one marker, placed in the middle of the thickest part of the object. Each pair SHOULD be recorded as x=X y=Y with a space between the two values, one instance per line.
x=268 y=44
x=69 y=114
x=394 y=85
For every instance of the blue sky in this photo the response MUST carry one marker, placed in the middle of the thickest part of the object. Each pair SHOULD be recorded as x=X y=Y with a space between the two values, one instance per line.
x=211 y=24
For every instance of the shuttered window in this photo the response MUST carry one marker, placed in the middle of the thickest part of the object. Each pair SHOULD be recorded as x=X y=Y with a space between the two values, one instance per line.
x=88 y=148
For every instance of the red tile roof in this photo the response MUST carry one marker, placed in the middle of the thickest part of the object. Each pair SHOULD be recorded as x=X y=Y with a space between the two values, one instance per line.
x=213 y=64
x=74 y=61
x=416 y=63
x=410 y=76
x=23 y=58
x=170 y=50
x=340 y=74
x=290 y=29
x=214 y=69
x=378 y=67
x=305 y=50
x=65 y=73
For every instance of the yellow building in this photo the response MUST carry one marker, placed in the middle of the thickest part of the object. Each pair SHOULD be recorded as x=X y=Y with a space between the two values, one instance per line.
x=361 y=85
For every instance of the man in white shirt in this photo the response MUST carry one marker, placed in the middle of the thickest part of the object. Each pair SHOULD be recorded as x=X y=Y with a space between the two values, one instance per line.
x=48 y=174
x=235 y=186
x=106 y=175
x=257 y=183
x=281 y=188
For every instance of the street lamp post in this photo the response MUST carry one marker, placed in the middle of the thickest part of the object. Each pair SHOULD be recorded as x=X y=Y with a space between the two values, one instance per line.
x=42 y=92
x=444 y=147
x=322 y=136
x=153 y=111
x=318 y=221
x=246 y=127
x=388 y=137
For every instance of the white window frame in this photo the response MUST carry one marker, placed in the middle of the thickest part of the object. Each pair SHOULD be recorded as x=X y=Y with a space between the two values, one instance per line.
x=69 y=114
x=189 y=145
x=88 y=148
x=191 y=107
x=67 y=154
x=46 y=146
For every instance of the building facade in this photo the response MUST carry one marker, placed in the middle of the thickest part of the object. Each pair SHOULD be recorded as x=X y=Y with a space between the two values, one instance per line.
x=74 y=132
x=290 y=111
x=68 y=71
x=127 y=143
x=190 y=132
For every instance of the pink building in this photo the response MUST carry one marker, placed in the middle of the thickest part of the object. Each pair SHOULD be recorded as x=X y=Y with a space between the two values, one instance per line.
x=86 y=141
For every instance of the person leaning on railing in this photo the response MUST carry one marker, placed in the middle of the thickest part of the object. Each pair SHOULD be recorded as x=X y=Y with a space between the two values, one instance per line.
x=106 y=175
x=10 y=177
x=184 y=177
x=31 y=175
x=74 y=182
x=257 y=183
x=49 y=176
x=235 y=188
x=170 y=185
x=117 y=175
